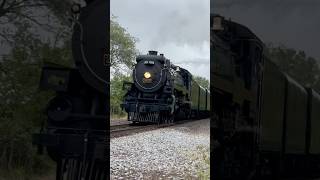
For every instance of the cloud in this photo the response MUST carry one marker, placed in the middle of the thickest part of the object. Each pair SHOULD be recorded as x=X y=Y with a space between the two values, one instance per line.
x=294 y=23
x=288 y=4
x=179 y=29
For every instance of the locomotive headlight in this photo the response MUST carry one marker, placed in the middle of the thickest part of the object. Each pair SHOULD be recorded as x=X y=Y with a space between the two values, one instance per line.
x=58 y=109
x=147 y=75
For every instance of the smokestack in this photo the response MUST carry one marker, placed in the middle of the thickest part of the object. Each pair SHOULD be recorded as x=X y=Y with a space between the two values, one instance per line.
x=153 y=53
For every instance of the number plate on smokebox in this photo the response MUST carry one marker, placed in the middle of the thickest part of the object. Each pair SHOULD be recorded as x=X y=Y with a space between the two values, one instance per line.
x=145 y=80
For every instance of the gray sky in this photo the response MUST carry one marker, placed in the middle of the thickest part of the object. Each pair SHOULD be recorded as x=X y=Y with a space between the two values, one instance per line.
x=177 y=28
x=294 y=23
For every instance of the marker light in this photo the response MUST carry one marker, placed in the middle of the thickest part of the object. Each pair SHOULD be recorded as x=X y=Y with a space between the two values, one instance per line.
x=147 y=75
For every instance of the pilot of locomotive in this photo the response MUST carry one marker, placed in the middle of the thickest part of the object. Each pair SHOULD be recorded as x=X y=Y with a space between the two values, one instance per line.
x=153 y=95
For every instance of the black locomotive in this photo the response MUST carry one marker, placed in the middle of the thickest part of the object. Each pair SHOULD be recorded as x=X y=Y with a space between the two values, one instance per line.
x=162 y=92
x=75 y=129
x=264 y=124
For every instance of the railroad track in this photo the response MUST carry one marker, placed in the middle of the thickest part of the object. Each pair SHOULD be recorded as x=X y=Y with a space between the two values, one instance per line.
x=128 y=129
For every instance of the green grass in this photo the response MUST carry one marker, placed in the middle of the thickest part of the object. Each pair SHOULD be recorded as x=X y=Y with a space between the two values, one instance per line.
x=118 y=116
x=202 y=154
x=43 y=168
x=205 y=157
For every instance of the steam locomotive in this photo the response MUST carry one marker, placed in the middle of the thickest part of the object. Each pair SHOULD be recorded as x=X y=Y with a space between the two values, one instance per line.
x=163 y=92
x=76 y=117
x=264 y=123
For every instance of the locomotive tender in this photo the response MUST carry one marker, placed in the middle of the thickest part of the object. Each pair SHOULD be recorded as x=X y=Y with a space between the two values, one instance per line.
x=264 y=122
x=162 y=92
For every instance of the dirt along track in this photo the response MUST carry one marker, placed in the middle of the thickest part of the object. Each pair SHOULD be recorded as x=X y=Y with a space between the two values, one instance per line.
x=127 y=128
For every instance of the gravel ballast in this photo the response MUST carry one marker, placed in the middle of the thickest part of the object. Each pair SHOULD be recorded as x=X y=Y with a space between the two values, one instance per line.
x=177 y=152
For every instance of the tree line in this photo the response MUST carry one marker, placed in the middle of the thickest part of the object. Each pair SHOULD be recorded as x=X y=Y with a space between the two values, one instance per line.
x=304 y=69
x=32 y=33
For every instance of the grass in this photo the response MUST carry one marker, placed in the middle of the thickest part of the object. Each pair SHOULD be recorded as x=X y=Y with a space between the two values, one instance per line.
x=117 y=116
x=205 y=156
x=43 y=169
x=202 y=155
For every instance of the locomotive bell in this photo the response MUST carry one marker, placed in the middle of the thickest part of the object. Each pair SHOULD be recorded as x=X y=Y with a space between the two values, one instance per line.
x=217 y=23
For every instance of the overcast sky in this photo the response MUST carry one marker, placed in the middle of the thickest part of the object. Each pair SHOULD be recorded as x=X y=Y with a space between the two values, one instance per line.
x=294 y=23
x=177 y=28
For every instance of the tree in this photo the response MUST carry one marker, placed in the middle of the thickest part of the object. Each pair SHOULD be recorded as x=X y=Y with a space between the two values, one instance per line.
x=117 y=93
x=296 y=64
x=203 y=82
x=43 y=15
x=122 y=47
x=122 y=57
x=21 y=103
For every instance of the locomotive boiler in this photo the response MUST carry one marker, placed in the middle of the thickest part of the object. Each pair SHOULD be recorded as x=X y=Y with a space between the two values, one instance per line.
x=162 y=92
